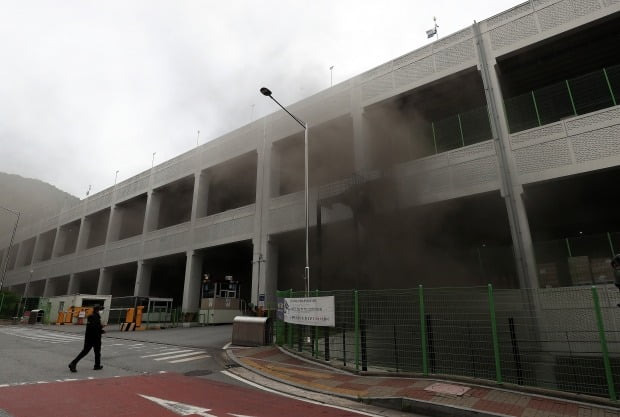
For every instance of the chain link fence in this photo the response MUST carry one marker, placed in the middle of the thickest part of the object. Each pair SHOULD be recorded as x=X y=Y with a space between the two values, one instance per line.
x=565 y=339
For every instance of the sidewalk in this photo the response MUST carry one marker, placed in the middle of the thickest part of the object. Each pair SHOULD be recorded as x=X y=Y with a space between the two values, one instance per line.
x=425 y=396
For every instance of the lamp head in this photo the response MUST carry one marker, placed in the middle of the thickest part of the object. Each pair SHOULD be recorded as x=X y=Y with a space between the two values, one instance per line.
x=265 y=91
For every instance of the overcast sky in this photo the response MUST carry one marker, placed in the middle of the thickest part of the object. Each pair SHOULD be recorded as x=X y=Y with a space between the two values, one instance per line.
x=91 y=87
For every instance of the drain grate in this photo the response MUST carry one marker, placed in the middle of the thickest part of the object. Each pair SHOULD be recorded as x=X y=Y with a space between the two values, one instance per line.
x=198 y=372
x=232 y=365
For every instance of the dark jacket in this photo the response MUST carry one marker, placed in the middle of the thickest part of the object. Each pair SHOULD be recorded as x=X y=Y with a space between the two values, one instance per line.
x=94 y=328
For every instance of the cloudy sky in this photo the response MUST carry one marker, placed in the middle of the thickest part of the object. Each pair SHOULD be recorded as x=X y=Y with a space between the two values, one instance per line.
x=90 y=87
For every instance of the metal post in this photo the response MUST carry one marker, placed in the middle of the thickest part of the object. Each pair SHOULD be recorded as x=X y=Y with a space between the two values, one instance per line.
x=536 y=109
x=570 y=95
x=434 y=137
x=357 y=332
x=461 y=130
x=570 y=254
x=316 y=333
x=307 y=268
x=601 y=332
x=290 y=326
x=498 y=369
x=611 y=91
x=423 y=331
x=8 y=251
x=611 y=244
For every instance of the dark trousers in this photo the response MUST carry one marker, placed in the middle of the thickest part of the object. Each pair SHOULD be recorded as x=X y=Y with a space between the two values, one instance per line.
x=88 y=345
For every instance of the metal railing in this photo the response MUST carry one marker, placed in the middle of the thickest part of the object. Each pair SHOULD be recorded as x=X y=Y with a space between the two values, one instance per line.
x=580 y=95
x=565 y=339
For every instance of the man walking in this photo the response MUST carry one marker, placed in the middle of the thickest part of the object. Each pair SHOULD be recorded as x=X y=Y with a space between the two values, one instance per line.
x=92 y=340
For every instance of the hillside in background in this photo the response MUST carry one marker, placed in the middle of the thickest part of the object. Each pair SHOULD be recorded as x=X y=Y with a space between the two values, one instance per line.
x=33 y=198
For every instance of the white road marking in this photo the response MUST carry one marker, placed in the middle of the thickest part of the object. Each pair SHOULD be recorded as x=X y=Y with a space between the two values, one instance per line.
x=167 y=353
x=178 y=408
x=351 y=410
x=193 y=358
x=178 y=356
x=226 y=346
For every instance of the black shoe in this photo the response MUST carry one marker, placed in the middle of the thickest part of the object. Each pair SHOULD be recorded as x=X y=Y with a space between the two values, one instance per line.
x=97 y=368
x=72 y=368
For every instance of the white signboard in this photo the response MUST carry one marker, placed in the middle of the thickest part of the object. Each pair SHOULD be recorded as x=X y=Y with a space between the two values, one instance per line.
x=311 y=311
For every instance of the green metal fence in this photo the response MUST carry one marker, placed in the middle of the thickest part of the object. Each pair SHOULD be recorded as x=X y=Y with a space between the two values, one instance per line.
x=580 y=95
x=461 y=129
x=576 y=260
x=564 y=339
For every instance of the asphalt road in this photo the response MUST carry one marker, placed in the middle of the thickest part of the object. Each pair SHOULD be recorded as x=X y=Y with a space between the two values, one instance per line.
x=42 y=353
x=171 y=372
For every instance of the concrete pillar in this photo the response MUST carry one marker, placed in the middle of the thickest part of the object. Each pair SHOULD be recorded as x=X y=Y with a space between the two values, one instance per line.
x=48 y=290
x=19 y=258
x=104 y=286
x=114 y=225
x=511 y=189
x=12 y=253
x=83 y=234
x=153 y=205
x=274 y=171
x=74 y=284
x=35 y=249
x=59 y=242
x=361 y=132
x=191 y=285
x=265 y=154
x=38 y=248
x=201 y=195
x=270 y=268
x=143 y=279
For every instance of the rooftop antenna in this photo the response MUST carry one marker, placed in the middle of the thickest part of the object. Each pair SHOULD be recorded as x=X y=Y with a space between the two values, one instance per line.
x=197 y=138
x=331 y=76
x=88 y=191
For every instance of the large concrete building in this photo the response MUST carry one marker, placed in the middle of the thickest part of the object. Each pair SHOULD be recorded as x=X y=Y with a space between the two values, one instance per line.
x=491 y=155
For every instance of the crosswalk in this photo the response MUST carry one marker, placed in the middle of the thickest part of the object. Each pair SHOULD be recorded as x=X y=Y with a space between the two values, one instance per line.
x=159 y=353
x=40 y=335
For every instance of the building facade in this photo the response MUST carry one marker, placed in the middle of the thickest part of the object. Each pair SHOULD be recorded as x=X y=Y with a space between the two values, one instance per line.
x=488 y=156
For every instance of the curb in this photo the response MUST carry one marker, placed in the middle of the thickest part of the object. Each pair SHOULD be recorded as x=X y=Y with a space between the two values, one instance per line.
x=578 y=399
x=394 y=403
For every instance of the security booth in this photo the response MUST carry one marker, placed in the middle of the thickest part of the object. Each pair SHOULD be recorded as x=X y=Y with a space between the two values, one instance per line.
x=220 y=301
x=75 y=308
x=157 y=313
x=140 y=313
x=120 y=306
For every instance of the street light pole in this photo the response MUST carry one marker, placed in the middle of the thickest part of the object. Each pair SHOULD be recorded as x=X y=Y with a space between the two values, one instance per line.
x=26 y=288
x=8 y=251
x=266 y=92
